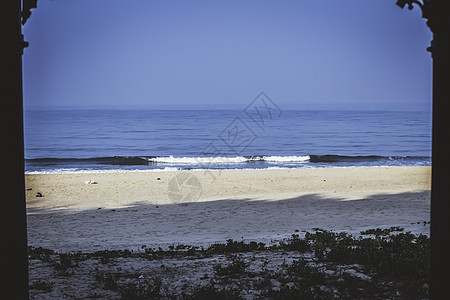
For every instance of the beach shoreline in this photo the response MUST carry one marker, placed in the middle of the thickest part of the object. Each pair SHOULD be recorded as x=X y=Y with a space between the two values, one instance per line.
x=125 y=210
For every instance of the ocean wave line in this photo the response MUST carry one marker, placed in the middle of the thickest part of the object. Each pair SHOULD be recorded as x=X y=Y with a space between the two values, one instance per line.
x=215 y=160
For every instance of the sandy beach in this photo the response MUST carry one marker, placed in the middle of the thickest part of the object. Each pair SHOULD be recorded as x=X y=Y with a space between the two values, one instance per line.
x=95 y=211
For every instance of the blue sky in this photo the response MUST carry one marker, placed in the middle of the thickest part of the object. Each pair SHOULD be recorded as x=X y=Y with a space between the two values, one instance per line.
x=191 y=53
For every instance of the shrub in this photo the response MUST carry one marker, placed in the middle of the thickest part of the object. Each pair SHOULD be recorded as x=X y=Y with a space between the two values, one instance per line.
x=235 y=269
x=40 y=253
x=210 y=292
x=147 y=289
x=295 y=244
x=66 y=261
x=381 y=232
x=41 y=285
x=234 y=247
x=107 y=280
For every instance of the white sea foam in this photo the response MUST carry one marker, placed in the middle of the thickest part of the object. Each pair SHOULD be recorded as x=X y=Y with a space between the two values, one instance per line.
x=96 y=171
x=199 y=160
x=226 y=159
x=303 y=158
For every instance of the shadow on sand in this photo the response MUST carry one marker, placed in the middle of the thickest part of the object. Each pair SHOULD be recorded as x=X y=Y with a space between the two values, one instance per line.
x=203 y=223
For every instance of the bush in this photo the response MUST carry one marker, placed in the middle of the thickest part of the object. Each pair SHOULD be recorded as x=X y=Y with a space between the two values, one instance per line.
x=41 y=285
x=402 y=258
x=295 y=244
x=381 y=232
x=235 y=269
x=40 y=253
x=147 y=289
x=210 y=292
x=234 y=247
x=107 y=280
x=66 y=261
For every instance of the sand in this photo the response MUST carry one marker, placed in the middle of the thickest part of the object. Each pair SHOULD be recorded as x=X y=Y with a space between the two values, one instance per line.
x=125 y=210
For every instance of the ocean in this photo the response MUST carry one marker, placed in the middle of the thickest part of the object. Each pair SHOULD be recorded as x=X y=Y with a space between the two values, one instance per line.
x=106 y=140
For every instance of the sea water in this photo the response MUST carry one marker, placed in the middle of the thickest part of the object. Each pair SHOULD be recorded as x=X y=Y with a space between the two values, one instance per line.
x=111 y=139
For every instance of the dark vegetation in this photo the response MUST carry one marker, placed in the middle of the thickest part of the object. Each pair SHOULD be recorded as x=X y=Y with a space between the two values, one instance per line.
x=330 y=265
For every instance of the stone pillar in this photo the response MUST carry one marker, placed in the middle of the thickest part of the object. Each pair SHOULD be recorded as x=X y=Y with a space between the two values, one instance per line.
x=14 y=256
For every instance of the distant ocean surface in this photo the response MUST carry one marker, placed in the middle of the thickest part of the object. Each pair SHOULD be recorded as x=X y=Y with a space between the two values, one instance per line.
x=102 y=140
